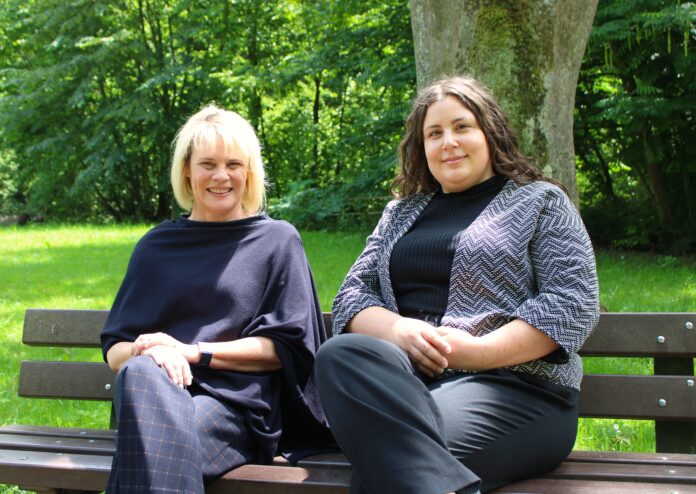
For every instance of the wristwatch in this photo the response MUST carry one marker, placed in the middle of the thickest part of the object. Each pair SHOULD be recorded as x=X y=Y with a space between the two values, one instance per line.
x=206 y=354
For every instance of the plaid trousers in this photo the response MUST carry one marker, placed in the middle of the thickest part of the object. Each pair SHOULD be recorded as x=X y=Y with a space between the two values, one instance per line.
x=171 y=439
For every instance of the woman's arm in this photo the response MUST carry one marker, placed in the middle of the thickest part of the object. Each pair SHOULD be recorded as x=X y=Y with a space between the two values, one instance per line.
x=251 y=354
x=426 y=347
x=514 y=343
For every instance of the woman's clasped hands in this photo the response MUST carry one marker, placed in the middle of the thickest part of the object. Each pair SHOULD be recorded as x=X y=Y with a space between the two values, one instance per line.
x=425 y=344
x=167 y=352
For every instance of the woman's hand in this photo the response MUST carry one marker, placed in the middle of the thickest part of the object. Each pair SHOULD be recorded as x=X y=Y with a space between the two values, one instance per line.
x=173 y=361
x=149 y=340
x=423 y=343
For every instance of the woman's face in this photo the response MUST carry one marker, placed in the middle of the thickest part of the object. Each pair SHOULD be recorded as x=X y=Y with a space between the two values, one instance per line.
x=455 y=146
x=218 y=180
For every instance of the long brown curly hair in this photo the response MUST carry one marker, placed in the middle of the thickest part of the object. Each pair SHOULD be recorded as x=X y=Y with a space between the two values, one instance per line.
x=506 y=158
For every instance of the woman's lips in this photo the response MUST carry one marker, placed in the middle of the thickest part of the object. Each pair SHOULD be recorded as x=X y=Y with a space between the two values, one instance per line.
x=219 y=190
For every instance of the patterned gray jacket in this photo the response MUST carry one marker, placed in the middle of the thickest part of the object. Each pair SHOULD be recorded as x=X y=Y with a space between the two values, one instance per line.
x=527 y=256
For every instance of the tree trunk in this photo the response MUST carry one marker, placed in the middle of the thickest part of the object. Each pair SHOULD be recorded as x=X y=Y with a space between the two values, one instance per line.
x=528 y=53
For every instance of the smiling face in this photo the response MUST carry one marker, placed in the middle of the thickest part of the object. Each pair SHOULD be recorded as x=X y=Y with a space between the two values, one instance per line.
x=455 y=146
x=218 y=176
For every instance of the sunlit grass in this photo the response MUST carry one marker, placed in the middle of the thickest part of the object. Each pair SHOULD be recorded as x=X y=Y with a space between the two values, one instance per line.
x=81 y=267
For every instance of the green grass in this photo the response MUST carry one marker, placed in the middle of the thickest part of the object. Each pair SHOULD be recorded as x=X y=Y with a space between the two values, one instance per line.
x=81 y=267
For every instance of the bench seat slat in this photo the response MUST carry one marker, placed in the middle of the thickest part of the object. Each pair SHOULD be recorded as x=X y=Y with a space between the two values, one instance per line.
x=71 y=471
x=628 y=472
x=71 y=432
x=68 y=380
x=565 y=486
x=338 y=460
x=64 y=471
x=57 y=444
x=637 y=397
x=629 y=457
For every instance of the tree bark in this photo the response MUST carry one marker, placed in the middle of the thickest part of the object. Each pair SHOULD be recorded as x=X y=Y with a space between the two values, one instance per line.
x=528 y=53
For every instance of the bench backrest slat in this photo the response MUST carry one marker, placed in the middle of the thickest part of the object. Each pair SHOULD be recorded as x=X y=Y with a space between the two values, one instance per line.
x=69 y=328
x=638 y=397
x=617 y=334
x=637 y=334
x=68 y=380
x=635 y=397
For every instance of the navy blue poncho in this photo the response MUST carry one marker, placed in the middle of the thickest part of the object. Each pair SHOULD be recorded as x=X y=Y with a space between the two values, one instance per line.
x=210 y=281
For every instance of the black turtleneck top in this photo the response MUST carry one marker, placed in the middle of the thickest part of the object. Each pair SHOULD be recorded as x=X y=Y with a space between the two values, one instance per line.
x=421 y=261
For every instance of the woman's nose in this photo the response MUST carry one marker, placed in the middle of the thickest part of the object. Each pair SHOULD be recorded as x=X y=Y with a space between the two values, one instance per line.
x=448 y=140
x=220 y=173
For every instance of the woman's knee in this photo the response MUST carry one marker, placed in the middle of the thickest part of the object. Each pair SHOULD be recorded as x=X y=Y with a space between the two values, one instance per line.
x=347 y=352
x=140 y=373
x=141 y=364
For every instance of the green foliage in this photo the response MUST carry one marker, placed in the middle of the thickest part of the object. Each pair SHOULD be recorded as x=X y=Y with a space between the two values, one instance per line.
x=635 y=124
x=92 y=93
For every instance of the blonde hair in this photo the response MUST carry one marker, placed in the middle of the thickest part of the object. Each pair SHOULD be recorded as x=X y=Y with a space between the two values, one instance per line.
x=202 y=130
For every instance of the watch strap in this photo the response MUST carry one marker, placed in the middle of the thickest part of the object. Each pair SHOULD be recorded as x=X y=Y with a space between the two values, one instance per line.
x=206 y=354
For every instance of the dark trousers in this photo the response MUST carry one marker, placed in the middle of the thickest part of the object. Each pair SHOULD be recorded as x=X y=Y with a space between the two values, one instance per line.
x=404 y=433
x=171 y=439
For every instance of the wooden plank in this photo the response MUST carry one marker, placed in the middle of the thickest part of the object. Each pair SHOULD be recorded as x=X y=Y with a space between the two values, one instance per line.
x=42 y=430
x=635 y=458
x=618 y=333
x=625 y=472
x=73 y=328
x=333 y=460
x=638 y=397
x=261 y=479
x=558 y=486
x=67 y=380
x=34 y=469
x=338 y=460
x=57 y=444
x=636 y=334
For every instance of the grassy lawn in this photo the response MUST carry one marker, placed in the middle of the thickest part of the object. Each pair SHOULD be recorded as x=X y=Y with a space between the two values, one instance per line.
x=81 y=267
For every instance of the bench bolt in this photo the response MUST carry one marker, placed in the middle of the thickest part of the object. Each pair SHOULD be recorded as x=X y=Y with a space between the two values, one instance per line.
x=689 y=325
x=662 y=402
x=660 y=339
x=107 y=387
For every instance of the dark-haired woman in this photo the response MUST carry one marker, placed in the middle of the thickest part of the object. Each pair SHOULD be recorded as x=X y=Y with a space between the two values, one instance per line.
x=465 y=312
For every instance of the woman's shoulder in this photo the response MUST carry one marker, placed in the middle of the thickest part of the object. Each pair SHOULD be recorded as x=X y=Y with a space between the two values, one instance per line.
x=539 y=191
x=279 y=232
x=407 y=203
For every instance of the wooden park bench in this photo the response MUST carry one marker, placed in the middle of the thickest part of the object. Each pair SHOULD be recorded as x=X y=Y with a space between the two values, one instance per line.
x=63 y=460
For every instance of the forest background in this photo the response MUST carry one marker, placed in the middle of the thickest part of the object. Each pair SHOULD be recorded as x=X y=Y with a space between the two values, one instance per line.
x=92 y=93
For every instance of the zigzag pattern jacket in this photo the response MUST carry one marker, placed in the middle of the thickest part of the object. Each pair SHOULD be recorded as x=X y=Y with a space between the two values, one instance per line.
x=527 y=256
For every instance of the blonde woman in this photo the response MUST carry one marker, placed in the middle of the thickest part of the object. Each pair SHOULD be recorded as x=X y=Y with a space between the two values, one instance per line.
x=214 y=330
